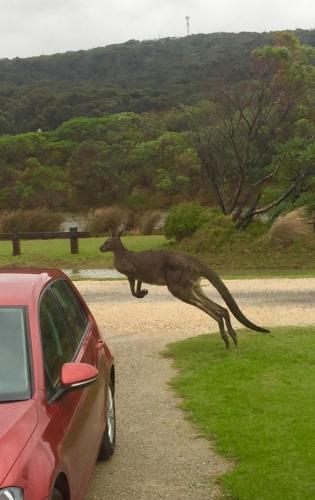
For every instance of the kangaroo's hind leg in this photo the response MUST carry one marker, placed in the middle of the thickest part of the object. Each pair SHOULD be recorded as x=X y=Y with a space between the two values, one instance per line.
x=221 y=311
x=187 y=294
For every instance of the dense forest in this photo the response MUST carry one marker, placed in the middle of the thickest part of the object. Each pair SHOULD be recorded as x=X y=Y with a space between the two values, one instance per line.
x=43 y=92
x=247 y=149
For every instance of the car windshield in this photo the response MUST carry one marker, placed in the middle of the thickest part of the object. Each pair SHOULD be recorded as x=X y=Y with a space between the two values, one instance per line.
x=14 y=362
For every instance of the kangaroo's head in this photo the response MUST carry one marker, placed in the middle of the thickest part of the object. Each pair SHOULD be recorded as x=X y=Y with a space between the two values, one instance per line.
x=112 y=244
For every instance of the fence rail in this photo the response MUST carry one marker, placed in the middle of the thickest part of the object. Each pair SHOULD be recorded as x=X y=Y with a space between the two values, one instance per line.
x=73 y=235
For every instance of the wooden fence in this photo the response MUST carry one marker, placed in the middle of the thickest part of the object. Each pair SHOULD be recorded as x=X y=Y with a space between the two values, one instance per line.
x=73 y=234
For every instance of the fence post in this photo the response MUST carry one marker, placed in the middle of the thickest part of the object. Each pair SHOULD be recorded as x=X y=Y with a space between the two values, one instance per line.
x=16 y=244
x=74 y=241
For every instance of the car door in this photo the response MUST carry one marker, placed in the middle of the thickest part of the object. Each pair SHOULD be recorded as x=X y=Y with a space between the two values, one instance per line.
x=78 y=410
x=89 y=349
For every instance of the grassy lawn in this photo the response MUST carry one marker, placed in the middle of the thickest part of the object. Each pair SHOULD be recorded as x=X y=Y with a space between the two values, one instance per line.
x=56 y=253
x=250 y=252
x=258 y=403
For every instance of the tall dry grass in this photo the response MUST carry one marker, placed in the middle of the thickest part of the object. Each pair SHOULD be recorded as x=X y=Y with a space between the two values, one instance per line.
x=30 y=220
x=291 y=227
x=115 y=219
x=151 y=222
x=108 y=220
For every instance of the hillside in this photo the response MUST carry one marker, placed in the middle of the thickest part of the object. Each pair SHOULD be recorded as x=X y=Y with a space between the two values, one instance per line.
x=42 y=92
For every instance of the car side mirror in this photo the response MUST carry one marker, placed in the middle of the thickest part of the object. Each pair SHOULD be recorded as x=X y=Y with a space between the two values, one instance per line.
x=77 y=375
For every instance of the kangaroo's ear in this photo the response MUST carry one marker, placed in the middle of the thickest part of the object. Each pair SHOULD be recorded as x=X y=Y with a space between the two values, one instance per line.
x=110 y=232
x=120 y=233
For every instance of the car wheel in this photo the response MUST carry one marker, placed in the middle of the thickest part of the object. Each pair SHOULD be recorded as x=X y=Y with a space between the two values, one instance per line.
x=56 y=495
x=108 y=441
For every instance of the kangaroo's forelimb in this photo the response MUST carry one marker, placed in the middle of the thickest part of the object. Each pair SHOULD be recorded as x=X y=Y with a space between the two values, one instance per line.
x=137 y=292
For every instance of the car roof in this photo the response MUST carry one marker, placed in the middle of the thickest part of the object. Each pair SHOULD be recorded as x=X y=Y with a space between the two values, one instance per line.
x=21 y=286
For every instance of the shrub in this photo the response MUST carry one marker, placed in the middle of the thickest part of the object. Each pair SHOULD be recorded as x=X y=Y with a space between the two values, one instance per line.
x=32 y=220
x=220 y=234
x=184 y=219
x=293 y=226
x=108 y=219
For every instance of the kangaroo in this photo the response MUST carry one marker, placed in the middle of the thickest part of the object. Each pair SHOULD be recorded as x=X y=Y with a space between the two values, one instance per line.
x=181 y=274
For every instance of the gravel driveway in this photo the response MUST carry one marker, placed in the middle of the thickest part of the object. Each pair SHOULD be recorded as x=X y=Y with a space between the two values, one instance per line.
x=159 y=454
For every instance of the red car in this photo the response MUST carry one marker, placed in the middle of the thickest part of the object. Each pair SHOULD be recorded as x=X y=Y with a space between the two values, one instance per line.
x=57 y=381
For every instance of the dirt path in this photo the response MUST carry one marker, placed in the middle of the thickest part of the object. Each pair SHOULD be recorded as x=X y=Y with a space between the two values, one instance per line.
x=159 y=455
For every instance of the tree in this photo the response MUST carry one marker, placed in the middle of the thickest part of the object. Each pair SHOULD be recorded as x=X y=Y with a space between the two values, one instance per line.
x=297 y=157
x=246 y=123
x=35 y=185
x=32 y=172
x=168 y=163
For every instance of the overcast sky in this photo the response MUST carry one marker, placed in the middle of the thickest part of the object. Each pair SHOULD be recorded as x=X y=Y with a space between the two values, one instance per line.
x=35 y=27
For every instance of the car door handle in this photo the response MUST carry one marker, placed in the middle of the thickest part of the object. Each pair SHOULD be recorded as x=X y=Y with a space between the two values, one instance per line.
x=100 y=344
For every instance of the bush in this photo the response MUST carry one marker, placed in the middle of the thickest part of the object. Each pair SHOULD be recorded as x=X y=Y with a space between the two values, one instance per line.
x=184 y=219
x=291 y=227
x=32 y=220
x=108 y=220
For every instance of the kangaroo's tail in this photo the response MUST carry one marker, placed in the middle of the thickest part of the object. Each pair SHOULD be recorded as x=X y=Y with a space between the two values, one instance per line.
x=216 y=281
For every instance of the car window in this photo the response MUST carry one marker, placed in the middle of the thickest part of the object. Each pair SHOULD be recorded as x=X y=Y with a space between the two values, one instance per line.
x=72 y=308
x=14 y=357
x=58 y=346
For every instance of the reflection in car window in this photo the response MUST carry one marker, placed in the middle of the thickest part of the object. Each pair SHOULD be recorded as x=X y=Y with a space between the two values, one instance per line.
x=14 y=360
x=58 y=347
x=72 y=308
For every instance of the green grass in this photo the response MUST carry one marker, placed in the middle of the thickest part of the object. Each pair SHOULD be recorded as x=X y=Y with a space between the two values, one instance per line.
x=56 y=253
x=232 y=252
x=258 y=403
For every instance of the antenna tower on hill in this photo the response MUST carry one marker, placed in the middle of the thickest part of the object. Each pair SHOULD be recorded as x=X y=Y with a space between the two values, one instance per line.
x=187 y=24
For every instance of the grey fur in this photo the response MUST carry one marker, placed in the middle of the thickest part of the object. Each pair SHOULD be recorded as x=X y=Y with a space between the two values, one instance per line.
x=181 y=274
